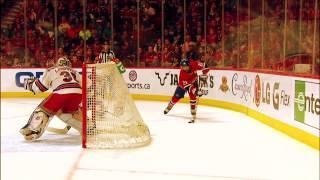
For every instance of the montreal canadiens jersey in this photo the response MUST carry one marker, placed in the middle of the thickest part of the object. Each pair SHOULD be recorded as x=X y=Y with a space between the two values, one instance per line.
x=188 y=78
x=59 y=79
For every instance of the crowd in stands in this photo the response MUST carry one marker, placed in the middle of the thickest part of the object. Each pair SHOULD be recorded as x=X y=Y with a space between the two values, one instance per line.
x=239 y=35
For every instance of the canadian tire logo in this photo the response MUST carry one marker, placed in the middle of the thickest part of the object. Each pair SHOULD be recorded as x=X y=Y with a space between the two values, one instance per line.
x=133 y=75
x=257 y=91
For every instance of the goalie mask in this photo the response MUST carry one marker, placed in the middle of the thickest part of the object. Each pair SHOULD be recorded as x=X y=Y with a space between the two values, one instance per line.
x=63 y=61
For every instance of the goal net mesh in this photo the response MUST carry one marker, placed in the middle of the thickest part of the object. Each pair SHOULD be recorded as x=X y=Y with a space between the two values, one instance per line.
x=110 y=117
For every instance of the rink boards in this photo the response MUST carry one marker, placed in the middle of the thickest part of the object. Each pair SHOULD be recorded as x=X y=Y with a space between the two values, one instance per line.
x=287 y=103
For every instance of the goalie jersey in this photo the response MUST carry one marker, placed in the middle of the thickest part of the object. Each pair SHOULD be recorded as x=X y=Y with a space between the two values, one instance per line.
x=60 y=79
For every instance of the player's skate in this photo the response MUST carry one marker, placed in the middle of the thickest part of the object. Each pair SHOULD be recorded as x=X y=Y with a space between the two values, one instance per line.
x=193 y=114
x=168 y=108
x=36 y=125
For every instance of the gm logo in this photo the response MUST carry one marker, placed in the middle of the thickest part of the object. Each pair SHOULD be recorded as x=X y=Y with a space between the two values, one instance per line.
x=20 y=76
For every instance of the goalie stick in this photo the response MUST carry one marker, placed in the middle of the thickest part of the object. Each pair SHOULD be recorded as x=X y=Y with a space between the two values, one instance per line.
x=58 y=130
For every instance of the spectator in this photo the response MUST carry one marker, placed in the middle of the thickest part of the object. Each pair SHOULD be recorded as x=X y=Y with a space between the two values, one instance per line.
x=148 y=10
x=75 y=62
x=41 y=42
x=16 y=63
x=149 y=57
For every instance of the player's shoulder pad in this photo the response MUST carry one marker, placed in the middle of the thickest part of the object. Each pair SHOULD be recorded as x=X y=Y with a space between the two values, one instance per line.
x=202 y=64
x=192 y=61
x=197 y=63
x=51 y=68
x=74 y=71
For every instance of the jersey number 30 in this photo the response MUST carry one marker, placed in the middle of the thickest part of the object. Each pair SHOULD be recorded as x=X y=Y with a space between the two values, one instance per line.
x=68 y=76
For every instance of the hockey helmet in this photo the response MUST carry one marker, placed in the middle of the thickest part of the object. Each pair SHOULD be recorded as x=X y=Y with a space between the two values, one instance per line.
x=63 y=61
x=184 y=62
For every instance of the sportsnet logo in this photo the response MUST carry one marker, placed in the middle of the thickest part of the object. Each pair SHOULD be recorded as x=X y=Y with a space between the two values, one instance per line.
x=307 y=103
x=133 y=75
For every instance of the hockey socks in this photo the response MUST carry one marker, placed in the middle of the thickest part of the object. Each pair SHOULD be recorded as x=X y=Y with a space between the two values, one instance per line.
x=193 y=114
x=169 y=107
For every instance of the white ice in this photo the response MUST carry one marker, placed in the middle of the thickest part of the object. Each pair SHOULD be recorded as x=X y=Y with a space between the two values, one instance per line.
x=222 y=145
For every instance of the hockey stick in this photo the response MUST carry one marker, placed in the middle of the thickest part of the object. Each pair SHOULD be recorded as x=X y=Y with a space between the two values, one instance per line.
x=58 y=130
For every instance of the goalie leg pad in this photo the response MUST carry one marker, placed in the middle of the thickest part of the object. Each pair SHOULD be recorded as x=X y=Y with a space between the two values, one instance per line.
x=36 y=125
x=69 y=119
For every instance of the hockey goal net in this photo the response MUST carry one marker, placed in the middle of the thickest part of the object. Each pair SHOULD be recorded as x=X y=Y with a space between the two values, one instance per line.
x=110 y=117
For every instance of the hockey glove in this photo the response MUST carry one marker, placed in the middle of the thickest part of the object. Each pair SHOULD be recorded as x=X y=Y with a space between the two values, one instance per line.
x=202 y=83
x=28 y=84
x=203 y=77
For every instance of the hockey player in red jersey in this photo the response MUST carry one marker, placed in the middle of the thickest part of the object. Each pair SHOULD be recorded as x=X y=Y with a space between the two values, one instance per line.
x=188 y=81
x=63 y=102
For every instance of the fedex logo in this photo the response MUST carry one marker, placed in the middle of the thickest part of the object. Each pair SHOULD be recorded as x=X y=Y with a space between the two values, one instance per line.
x=20 y=76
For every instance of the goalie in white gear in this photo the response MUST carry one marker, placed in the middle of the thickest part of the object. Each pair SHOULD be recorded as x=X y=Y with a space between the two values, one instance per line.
x=64 y=101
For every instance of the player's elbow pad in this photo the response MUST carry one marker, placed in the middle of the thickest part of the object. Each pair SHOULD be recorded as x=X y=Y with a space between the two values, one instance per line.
x=38 y=87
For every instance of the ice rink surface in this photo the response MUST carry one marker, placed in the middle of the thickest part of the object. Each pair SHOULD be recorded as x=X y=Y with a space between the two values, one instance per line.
x=222 y=145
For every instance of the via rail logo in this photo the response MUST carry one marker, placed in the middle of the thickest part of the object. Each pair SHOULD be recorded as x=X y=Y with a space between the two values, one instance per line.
x=306 y=101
